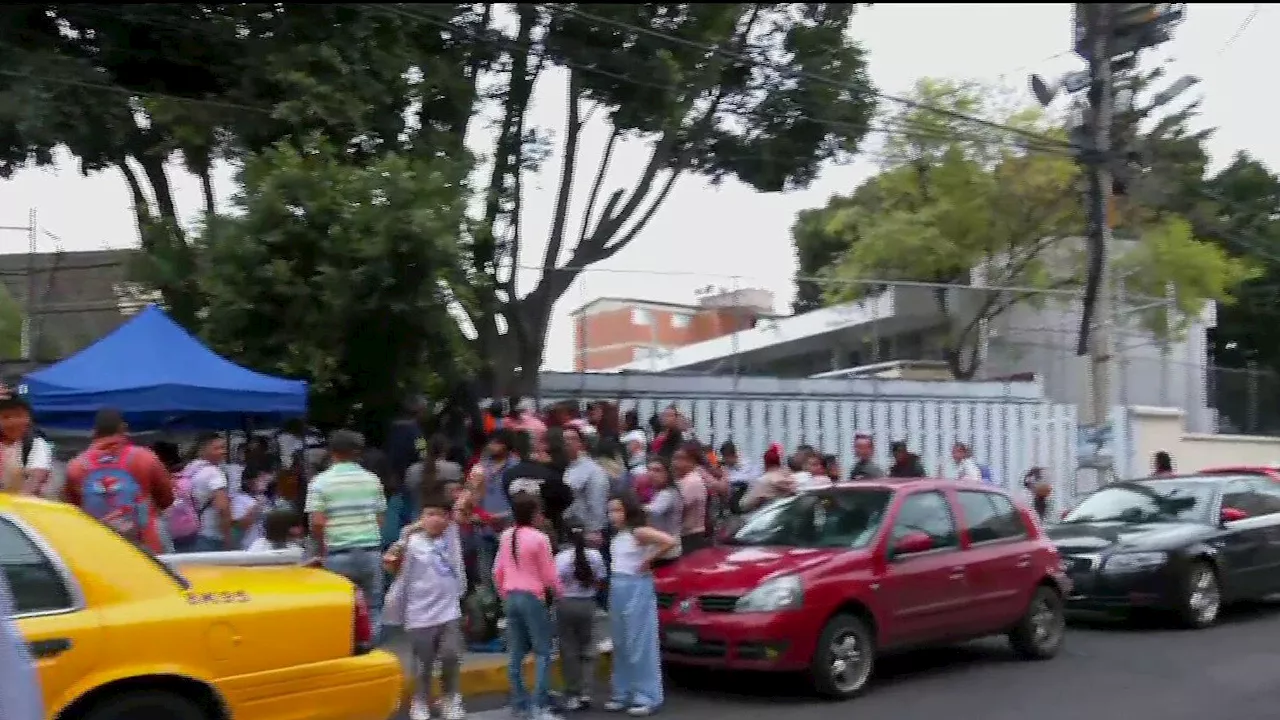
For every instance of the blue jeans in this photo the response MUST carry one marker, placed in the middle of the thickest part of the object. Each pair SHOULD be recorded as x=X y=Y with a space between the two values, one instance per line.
x=528 y=630
x=207 y=544
x=633 y=622
x=363 y=567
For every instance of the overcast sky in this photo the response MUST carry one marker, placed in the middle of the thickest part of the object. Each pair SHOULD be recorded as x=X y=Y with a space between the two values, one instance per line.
x=734 y=236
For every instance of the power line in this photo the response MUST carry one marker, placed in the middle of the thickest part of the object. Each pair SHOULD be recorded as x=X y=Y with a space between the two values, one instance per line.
x=782 y=69
x=1244 y=25
x=1039 y=142
x=903 y=127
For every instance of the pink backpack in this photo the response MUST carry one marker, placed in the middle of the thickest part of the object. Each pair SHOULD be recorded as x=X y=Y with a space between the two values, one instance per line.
x=182 y=516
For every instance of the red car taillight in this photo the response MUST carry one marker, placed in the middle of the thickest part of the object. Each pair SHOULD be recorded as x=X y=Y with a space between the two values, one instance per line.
x=362 y=625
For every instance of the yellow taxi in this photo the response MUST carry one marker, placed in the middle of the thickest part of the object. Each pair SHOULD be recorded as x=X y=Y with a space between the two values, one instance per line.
x=119 y=634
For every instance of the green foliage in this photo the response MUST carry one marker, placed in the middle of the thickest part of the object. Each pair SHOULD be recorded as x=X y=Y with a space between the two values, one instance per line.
x=333 y=271
x=11 y=316
x=953 y=197
x=1245 y=196
x=1170 y=256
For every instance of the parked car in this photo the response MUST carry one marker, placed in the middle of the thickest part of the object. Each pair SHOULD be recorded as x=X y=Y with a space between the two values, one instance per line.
x=119 y=634
x=1185 y=545
x=826 y=581
x=1270 y=471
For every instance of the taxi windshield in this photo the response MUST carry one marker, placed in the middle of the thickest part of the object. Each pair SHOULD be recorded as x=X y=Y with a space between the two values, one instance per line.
x=1147 y=501
x=827 y=519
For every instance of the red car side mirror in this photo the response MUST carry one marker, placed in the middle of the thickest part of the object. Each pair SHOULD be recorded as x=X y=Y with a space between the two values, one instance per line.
x=1230 y=514
x=910 y=543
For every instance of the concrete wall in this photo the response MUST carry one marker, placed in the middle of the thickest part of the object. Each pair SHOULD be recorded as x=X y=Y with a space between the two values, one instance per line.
x=1156 y=428
x=1043 y=339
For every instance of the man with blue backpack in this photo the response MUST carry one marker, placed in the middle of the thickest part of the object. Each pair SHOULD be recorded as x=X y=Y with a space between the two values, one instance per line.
x=121 y=484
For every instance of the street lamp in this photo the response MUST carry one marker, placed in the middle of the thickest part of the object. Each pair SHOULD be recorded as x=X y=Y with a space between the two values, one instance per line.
x=1046 y=90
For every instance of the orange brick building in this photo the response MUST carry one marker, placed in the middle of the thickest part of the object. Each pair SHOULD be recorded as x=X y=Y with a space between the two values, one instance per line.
x=609 y=331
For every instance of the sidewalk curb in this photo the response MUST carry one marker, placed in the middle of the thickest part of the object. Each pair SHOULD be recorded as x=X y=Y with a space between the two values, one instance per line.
x=488 y=676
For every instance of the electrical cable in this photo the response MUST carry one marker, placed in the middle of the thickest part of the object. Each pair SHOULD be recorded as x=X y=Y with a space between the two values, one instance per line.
x=782 y=69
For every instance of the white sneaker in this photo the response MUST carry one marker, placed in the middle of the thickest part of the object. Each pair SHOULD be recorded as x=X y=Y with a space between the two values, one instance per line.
x=614 y=706
x=452 y=708
x=419 y=710
x=545 y=714
x=639 y=711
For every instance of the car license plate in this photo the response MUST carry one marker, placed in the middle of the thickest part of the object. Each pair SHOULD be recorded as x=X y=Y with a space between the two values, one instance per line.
x=682 y=638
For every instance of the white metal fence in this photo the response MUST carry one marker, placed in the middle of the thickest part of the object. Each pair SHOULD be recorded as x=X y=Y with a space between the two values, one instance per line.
x=1008 y=425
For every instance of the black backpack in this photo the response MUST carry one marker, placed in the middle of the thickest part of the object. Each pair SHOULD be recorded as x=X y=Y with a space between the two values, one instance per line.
x=28 y=442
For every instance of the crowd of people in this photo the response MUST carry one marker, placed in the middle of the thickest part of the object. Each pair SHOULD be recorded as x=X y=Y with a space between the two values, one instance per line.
x=520 y=536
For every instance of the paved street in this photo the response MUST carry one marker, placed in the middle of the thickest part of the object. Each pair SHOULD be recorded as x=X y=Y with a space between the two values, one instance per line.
x=1105 y=673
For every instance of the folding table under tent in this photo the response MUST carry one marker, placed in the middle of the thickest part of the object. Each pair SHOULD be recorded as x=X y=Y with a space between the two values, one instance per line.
x=159 y=376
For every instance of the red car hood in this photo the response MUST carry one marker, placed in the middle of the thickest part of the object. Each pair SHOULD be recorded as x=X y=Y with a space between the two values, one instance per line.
x=736 y=570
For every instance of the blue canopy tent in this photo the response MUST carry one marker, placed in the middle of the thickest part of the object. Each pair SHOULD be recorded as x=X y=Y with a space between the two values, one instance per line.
x=159 y=376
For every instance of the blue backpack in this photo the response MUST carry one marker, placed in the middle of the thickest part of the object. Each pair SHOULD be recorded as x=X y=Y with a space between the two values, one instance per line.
x=984 y=471
x=114 y=496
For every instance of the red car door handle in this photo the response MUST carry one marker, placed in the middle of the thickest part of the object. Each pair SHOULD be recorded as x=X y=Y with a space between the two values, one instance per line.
x=1024 y=561
x=957 y=574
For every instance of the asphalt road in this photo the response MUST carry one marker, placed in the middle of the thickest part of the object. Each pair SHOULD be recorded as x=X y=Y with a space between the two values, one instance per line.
x=1106 y=671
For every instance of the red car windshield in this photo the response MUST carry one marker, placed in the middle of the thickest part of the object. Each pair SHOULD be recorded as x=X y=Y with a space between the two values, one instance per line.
x=843 y=518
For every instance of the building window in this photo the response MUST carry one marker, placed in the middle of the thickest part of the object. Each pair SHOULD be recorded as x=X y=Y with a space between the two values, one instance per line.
x=680 y=320
x=640 y=316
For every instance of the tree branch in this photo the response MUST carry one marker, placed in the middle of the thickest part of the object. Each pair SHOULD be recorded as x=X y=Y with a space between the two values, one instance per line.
x=555 y=240
x=141 y=206
x=508 y=154
x=645 y=217
x=597 y=185
x=206 y=189
x=153 y=168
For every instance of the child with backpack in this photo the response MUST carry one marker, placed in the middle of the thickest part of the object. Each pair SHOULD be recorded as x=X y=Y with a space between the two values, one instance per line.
x=426 y=600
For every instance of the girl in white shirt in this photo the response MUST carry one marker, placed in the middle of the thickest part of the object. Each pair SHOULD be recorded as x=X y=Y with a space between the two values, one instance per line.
x=633 y=609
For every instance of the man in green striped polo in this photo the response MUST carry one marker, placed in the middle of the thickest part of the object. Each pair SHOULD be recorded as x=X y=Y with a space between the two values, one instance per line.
x=346 y=505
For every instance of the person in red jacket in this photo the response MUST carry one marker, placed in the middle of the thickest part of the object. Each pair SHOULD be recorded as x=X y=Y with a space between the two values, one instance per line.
x=110 y=438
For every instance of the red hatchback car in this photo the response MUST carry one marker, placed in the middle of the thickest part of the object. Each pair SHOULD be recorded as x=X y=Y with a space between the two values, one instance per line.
x=825 y=581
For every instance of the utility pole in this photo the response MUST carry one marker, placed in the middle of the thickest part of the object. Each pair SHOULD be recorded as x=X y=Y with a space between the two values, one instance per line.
x=29 y=296
x=1108 y=37
x=1099 y=21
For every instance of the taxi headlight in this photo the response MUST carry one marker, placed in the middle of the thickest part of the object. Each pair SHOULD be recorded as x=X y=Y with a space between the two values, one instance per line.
x=1123 y=562
x=780 y=593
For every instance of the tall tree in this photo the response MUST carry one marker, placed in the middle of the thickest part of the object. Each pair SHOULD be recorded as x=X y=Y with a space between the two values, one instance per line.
x=759 y=92
x=335 y=271
x=965 y=206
